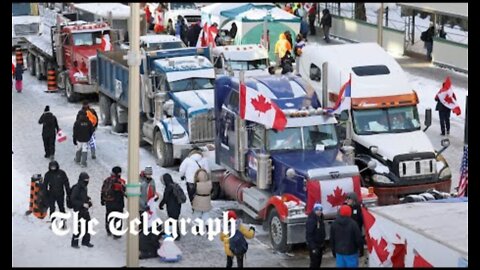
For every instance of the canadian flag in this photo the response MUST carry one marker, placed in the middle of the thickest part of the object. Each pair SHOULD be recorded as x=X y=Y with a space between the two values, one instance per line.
x=254 y=106
x=344 y=101
x=447 y=97
x=106 y=45
x=207 y=36
x=331 y=194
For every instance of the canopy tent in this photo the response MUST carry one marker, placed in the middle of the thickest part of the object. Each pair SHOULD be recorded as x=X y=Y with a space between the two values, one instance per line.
x=250 y=19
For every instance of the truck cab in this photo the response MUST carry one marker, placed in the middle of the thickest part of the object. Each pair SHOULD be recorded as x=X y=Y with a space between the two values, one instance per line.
x=252 y=59
x=176 y=95
x=383 y=120
x=277 y=176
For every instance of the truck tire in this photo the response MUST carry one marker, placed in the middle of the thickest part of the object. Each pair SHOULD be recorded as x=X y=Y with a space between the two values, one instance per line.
x=71 y=95
x=38 y=69
x=31 y=64
x=105 y=104
x=277 y=231
x=116 y=125
x=216 y=190
x=163 y=151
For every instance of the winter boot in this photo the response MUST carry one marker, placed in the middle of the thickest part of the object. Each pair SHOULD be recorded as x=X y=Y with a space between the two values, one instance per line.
x=87 y=245
x=84 y=159
x=78 y=154
x=93 y=153
x=75 y=243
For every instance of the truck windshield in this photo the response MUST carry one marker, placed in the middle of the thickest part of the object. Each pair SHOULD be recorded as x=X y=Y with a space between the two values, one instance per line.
x=87 y=39
x=182 y=5
x=388 y=120
x=249 y=65
x=191 y=84
x=308 y=138
x=166 y=45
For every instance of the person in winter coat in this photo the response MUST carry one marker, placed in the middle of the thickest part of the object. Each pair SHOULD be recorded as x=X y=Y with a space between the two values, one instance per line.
x=352 y=201
x=170 y=28
x=428 y=42
x=444 y=115
x=326 y=24
x=281 y=48
x=93 y=118
x=304 y=28
x=113 y=199
x=189 y=167
x=193 y=33
x=248 y=233
x=288 y=36
x=82 y=133
x=81 y=202
x=315 y=235
x=49 y=132
x=147 y=189
x=312 y=14
x=299 y=44
x=173 y=207
x=19 y=78
x=346 y=239
x=148 y=17
x=149 y=244
x=233 y=31
x=57 y=185
x=201 y=203
x=180 y=29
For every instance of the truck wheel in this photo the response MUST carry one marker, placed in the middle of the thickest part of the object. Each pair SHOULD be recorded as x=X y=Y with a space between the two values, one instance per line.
x=38 y=69
x=71 y=95
x=163 y=151
x=31 y=64
x=278 y=232
x=216 y=190
x=116 y=125
x=105 y=104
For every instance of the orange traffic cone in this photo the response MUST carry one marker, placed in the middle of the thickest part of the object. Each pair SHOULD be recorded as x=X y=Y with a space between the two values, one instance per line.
x=51 y=81
x=19 y=56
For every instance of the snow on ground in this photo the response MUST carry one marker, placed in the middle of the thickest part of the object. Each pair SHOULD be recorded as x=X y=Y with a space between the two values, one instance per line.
x=36 y=249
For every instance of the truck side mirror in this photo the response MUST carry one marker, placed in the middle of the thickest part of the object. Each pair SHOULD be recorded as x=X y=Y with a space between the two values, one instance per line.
x=343 y=116
x=290 y=173
x=372 y=164
x=428 y=118
x=445 y=144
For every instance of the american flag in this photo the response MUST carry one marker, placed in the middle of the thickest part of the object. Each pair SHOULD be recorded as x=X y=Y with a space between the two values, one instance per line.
x=463 y=184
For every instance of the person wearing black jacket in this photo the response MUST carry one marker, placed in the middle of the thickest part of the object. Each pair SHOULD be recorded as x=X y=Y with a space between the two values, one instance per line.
x=233 y=31
x=149 y=244
x=81 y=202
x=346 y=239
x=315 y=235
x=444 y=115
x=169 y=198
x=326 y=23
x=82 y=132
x=428 y=41
x=352 y=201
x=193 y=33
x=57 y=185
x=113 y=199
x=86 y=107
x=49 y=132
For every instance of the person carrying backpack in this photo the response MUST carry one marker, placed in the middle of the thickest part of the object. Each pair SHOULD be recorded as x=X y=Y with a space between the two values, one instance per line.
x=112 y=196
x=190 y=166
x=236 y=246
x=171 y=197
x=201 y=203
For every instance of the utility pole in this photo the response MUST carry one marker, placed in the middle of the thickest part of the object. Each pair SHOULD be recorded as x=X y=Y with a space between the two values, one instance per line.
x=133 y=187
x=380 y=26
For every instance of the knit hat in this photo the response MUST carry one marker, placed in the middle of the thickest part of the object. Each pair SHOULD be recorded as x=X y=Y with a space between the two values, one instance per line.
x=83 y=176
x=345 y=211
x=116 y=170
x=232 y=214
x=148 y=170
x=317 y=207
x=47 y=108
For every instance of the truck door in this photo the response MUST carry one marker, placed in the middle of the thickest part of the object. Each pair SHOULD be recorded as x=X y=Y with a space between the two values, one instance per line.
x=228 y=134
x=256 y=144
x=67 y=49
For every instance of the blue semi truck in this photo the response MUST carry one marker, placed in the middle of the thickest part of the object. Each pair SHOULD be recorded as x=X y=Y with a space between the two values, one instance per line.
x=176 y=99
x=277 y=176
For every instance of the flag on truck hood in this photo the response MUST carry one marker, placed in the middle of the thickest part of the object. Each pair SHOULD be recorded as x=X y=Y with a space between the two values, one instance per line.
x=344 y=98
x=447 y=97
x=254 y=106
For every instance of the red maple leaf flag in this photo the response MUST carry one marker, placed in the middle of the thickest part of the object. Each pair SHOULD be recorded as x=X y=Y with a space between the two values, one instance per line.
x=255 y=107
x=337 y=198
x=447 y=97
x=260 y=104
x=419 y=261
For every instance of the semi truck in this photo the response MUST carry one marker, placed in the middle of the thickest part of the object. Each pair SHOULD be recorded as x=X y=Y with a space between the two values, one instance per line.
x=176 y=99
x=421 y=234
x=68 y=47
x=383 y=121
x=252 y=59
x=277 y=176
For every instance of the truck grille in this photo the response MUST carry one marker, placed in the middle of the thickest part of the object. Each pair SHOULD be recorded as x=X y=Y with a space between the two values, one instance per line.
x=423 y=167
x=92 y=70
x=202 y=127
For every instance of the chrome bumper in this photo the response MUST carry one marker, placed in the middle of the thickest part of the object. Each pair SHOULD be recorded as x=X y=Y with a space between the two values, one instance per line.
x=84 y=88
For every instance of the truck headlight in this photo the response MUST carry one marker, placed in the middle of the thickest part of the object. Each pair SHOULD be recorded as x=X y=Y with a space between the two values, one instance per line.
x=179 y=135
x=381 y=179
x=445 y=173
